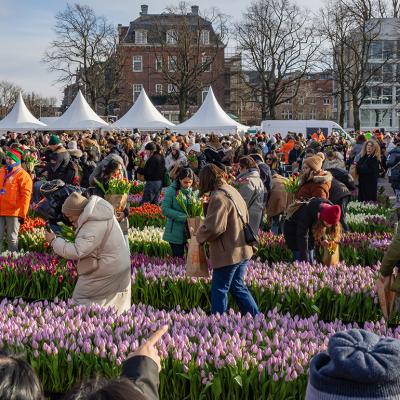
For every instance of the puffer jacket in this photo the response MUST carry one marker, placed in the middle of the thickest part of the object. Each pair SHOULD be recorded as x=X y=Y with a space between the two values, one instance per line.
x=279 y=198
x=171 y=161
x=251 y=187
x=15 y=192
x=318 y=186
x=104 y=266
x=58 y=164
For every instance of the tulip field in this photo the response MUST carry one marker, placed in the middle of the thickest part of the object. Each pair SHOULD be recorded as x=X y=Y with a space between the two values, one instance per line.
x=204 y=356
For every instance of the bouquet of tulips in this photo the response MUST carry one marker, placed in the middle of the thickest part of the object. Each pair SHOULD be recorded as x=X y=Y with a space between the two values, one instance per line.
x=191 y=204
x=31 y=162
x=293 y=183
x=116 y=193
x=136 y=187
x=66 y=232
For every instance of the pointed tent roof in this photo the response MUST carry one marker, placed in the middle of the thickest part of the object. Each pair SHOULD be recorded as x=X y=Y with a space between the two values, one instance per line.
x=78 y=116
x=20 y=118
x=210 y=117
x=143 y=115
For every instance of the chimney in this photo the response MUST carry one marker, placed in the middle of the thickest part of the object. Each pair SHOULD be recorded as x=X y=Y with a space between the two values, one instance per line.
x=144 y=8
x=195 y=10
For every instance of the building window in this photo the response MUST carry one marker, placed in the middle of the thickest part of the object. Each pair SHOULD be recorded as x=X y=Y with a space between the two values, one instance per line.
x=171 y=37
x=159 y=89
x=137 y=88
x=327 y=101
x=300 y=115
x=376 y=118
x=171 y=88
x=312 y=100
x=205 y=37
x=302 y=100
x=137 y=64
x=287 y=114
x=204 y=94
x=141 y=37
x=172 y=61
x=327 y=114
x=206 y=62
x=159 y=63
x=312 y=114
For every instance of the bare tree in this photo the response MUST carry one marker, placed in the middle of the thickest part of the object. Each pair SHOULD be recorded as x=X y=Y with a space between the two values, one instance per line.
x=8 y=96
x=186 y=57
x=278 y=42
x=81 y=52
x=40 y=106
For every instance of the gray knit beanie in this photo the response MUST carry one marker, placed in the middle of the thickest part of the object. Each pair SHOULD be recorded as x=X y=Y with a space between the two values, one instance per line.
x=358 y=365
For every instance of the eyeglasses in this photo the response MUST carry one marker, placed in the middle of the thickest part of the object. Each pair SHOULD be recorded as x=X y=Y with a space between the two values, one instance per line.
x=268 y=159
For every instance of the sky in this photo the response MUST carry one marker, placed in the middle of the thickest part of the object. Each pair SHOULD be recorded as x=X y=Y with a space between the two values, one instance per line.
x=26 y=29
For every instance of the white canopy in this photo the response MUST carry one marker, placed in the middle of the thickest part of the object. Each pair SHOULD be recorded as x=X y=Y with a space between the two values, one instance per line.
x=79 y=116
x=143 y=115
x=210 y=117
x=20 y=119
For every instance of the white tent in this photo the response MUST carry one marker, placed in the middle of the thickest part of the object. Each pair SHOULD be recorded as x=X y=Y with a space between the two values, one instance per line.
x=79 y=116
x=210 y=117
x=143 y=115
x=20 y=119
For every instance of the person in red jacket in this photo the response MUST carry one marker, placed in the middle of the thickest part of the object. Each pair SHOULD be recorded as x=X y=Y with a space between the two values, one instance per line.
x=15 y=196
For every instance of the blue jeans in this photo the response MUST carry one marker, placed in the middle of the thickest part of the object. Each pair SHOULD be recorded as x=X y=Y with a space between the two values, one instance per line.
x=277 y=224
x=151 y=192
x=230 y=279
x=297 y=257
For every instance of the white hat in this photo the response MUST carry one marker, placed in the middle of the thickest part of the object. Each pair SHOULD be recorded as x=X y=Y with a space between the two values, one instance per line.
x=194 y=147
x=72 y=145
x=175 y=146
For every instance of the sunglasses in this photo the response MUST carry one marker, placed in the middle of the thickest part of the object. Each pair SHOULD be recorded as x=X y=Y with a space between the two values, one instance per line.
x=268 y=159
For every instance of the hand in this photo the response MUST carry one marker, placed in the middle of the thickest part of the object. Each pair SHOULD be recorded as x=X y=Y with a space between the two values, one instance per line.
x=325 y=243
x=120 y=216
x=149 y=350
x=49 y=236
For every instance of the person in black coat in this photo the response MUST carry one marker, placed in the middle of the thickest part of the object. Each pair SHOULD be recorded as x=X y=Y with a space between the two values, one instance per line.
x=300 y=228
x=295 y=153
x=153 y=172
x=368 y=171
x=393 y=165
x=58 y=161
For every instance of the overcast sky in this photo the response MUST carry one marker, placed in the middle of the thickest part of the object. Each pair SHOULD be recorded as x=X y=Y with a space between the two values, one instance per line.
x=26 y=28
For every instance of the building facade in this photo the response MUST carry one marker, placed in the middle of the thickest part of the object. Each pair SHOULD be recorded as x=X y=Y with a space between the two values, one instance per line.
x=150 y=50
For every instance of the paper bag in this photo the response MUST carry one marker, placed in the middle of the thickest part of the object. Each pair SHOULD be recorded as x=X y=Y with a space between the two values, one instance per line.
x=193 y=225
x=196 y=262
x=386 y=297
x=118 y=201
x=330 y=259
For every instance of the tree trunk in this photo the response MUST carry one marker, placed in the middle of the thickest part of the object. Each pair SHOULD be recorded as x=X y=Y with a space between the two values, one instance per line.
x=342 y=105
x=263 y=103
x=356 y=113
x=183 y=107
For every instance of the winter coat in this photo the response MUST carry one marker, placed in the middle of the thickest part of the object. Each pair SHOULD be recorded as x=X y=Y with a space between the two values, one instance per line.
x=265 y=174
x=175 y=229
x=279 y=198
x=393 y=163
x=171 y=161
x=58 y=164
x=298 y=228
x=294 y=155
x=356 y=150
x=338 y=191
x=104 y=266
x=223 y=229
x=335 y=163
x=15 y=192
x=119 y=151
x=318 y=186
x=344 y=177
x=154 y=168
x=368 y=174
x=251 y=187
x=391 y=260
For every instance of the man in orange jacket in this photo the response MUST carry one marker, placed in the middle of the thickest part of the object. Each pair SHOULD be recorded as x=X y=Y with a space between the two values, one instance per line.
x=15 y=196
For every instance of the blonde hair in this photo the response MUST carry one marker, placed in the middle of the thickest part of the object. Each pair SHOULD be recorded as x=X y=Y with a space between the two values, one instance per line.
x=376 y=152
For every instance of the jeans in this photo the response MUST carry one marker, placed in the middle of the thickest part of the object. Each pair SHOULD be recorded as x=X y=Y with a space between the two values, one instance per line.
x=297 y=256
x=12 y=225
x=277 y=224
x=130 y=174
x=343 y=205
x=178 y=250
x=151 y=192
x=230 y=279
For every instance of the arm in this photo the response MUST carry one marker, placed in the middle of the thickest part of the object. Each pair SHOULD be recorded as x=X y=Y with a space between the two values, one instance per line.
x=143 y=371
x=246 y=191
x=25 y=191
x=391 y=257
x=167 y=209
x=215 y=223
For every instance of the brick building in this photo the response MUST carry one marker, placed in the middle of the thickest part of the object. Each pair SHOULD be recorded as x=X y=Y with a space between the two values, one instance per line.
x=150 y=51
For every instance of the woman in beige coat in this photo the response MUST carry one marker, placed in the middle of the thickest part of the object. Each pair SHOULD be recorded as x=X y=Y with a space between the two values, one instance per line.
x=104 y=267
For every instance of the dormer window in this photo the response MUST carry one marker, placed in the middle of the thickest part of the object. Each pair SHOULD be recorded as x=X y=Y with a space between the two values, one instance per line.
x=205 y=37
x=171 y=37
x=141 y=37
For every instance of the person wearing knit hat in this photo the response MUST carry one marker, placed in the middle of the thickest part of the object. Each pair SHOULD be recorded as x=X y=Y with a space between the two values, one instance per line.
x=307 y=223
x=175 y=159
x=54 y=140
x=313 y=181
x=15 y=196
x=103 y=259
x=58 y=162
x=357 y=365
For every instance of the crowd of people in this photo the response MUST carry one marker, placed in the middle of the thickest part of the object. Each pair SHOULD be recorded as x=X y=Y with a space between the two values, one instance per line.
x=294 y=185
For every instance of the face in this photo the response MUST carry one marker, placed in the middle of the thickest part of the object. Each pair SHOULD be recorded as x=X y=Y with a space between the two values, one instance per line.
x=268 y=160
x=53 y=147
x=297 y=146
x=186 y=182
x=148 y=153
x=73 y=219
x=370 y=148
x=305 y=169
x=9 y=161
x=175 y=152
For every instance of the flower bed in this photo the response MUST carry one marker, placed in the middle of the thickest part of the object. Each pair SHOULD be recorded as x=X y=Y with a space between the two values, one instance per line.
x=369 y=223
x=149 y=241
x=203 y=356
x=357 y=207
x=146 y=215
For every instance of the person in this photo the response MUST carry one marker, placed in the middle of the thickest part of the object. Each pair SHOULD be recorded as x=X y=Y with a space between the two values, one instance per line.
x=175 y=160
x=196 y=159
x=286 y=147
x=153 y=172
x=357 y=365
x=74 y=152
x=334 y=159
x=116 y=148
x=393 y=164
x=222 y=229
x=175 y=229
x=129 y=149
x=307 y=224
x=356 y=148
x=314 y=182
x=277 y=203
x=251 y=187
x=295 y=153
x=265 y=172
x=368 y=171
x=18 y=380
x=15 y=196
x=104 y=266
x=58 y=164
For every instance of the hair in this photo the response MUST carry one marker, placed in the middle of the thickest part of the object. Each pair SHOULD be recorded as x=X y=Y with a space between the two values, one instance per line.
x=360 y=139
x=247 y=162
x=128 y=144
x=110 y=168
x=330 y=153
x=211 y=178
x=101 y=389
x=18 y=381
x=182 y=174
x=319 y=230
x=376 y=152
x=155 y=147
